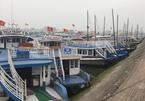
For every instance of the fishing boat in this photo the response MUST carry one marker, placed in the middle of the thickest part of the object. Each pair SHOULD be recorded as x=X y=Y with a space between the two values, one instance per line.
x=25 y=69
x=66 y=65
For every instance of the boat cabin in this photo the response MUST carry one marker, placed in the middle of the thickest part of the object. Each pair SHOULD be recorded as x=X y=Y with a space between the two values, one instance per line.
x=18 y=41
x=70 y=62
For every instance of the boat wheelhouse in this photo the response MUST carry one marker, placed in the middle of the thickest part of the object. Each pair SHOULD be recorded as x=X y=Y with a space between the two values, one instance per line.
x=130 y=42
x=66 y=68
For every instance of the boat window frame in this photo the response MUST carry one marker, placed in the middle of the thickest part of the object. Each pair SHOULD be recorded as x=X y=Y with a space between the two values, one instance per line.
x=1 y=40
x=17 y=39
x=13 y=40
x=23 y=40
x=73 y=63
x=9 y=40
x=90 y=53
x=85 y=52
x=79 y=51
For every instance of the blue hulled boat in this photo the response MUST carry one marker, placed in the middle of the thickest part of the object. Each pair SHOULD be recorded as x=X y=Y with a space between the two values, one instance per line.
x=66 y=64
x=96 y=52
x=24 y=65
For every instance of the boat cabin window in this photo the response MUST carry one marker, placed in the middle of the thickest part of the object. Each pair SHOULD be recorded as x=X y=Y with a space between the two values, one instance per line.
x=73 y=63
x=1 y=33
x=46 y=44
x=23 y=40
x=79 y=51
x=46 y=72
x=82 y=51
x=54 y=44
x=9 y=40
x=17 y=39
x=13 y=39
x=90 y=52
x=2 y=40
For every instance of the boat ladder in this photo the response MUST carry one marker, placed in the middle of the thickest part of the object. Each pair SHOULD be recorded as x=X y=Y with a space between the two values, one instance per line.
x=109 y=47
x=18 y=81
x=101 y=52
x=55 y=63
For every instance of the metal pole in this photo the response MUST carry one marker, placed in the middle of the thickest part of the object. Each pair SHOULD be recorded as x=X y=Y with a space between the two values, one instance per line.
x=127 y=31
x=95 y=26
x=26 y=88
x=87 y=25
x=117 y=28
x=12 y=14
x=113 y=29
x=104 y=28
x=131 y=30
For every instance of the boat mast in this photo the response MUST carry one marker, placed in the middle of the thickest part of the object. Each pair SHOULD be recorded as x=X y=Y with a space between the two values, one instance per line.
x=12 y=13
x=127 y=31
x=87 y=25
x=113 y=28
x=104 y=27
x=131 y=30
x=137 y=31
x=95 y=26
x=117 y=29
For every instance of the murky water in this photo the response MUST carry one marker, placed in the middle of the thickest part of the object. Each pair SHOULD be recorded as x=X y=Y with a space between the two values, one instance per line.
x=94 y=70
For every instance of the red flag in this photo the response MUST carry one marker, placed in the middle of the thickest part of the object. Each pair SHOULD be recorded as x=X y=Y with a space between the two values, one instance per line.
x=73 y=25
x=2 y=23
x=79 y=32
x=65 y=30
x=49 y=29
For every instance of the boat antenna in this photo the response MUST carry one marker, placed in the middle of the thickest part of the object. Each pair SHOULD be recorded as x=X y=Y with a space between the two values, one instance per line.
x=87 y=25
x=113 y=28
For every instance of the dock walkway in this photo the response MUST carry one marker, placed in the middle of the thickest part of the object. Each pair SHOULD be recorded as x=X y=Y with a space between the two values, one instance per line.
x=125 y=83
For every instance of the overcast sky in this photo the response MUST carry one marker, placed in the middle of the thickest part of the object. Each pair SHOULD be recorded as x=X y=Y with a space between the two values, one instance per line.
x=64 y=13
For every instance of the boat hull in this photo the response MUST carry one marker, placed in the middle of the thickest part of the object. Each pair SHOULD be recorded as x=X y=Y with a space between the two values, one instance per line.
x=93 y=61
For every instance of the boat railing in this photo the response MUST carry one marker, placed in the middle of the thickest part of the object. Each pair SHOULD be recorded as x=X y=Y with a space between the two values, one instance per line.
x=31 y=53
x=18 y=80
x=101 y=52
x=111 y=47
x=97 y=43
x=55 y=65
x=63 y=75
x=39 y=53
x=10 y=84
x=85 y=76
x=81 y=43
x=105 y=44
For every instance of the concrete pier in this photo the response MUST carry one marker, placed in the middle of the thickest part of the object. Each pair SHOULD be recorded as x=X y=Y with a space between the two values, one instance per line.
x=125 y=83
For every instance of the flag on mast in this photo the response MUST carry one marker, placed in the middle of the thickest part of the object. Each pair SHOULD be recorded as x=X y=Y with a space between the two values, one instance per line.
x=65 y=30
x=2 y=23
x=49 y=29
